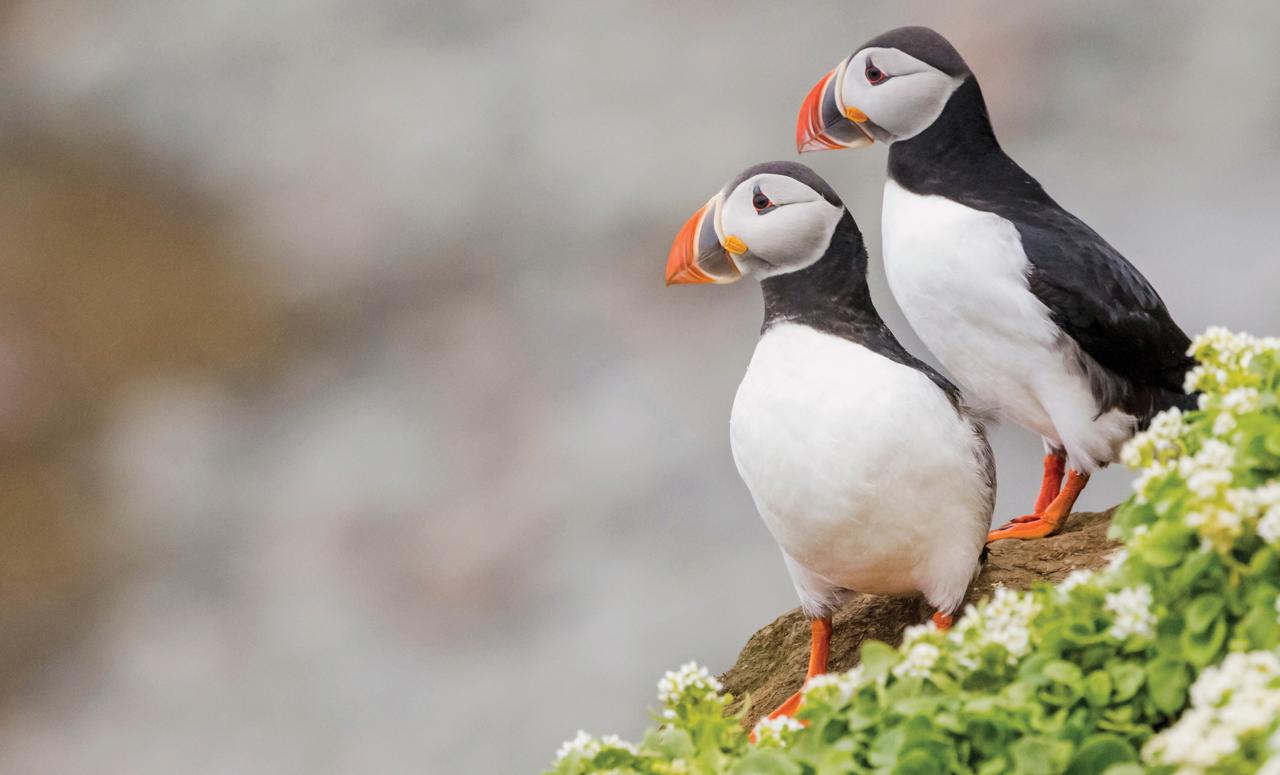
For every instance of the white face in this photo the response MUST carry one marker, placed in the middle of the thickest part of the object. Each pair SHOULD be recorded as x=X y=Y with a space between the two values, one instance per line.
x=900 y=95
x=784 y=224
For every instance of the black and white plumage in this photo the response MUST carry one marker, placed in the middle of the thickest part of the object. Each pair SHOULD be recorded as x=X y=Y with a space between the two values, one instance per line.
x=863 y=461
x=1035 y=315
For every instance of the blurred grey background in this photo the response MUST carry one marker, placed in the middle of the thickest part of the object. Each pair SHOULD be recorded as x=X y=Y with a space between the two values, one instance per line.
x=345 y=422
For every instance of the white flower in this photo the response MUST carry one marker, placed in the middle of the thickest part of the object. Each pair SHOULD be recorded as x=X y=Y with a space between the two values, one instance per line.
x=1131 y=608
x=1269 y=525
x=1003 y=620
x=613 y=741
x=843 y=685
x=1223 y=424
x=1166 y=424
x=776 y=731
x=1239 y=697
x=582 y=743
x=915 y=632
x=1147 y=476
x=1208 y=470
x=690 y=676
x=919 y=661
x=1241 y=400
x=1160 y=439
x=1074 y=579
x=1192 y=379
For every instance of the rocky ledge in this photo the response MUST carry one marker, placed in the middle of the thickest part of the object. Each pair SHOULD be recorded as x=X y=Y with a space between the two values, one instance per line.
x=772 y=664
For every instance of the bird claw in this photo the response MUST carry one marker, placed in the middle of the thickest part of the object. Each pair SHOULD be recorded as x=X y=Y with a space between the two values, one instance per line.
x=1035 y=528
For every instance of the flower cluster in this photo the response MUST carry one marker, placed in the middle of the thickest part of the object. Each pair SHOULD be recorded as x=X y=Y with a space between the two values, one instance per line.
x=1225 y=358
x=1003 y=620
x=1131 y=607
x=918 y=661
x=834 y=688
x=1076 y=578
x=691 y=678
x=1167 y=656
x=1155 y=448
x=776 y=732
x=1232 y=720
x=585 y=746
x=1196 y=453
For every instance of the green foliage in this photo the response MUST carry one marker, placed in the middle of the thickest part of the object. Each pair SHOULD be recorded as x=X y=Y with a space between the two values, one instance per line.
x=1092 y=676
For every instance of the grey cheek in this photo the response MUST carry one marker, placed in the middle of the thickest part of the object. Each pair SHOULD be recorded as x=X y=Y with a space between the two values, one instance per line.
x=754 y=263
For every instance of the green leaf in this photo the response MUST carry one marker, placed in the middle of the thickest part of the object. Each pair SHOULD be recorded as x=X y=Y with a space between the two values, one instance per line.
x=1201 y=648
x=1125 y=769
x=1202 y=611
x=878 y=657
x=1097 y=688
x=1273 y=442
x=1127 y=678
x=1039 y=755
x=919 y=762
x=671 y=743
x=1166 y=544
x=1098 y=752
x=768 y=761
x=1063 y=672
x=1167 y=681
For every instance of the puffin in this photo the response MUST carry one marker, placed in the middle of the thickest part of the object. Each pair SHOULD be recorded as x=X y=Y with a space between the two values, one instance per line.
x=865 y=463
x=1038 y=319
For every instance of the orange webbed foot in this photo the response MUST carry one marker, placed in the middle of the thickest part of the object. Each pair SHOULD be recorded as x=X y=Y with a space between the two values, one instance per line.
x=1052 y=520
x=1036 y=527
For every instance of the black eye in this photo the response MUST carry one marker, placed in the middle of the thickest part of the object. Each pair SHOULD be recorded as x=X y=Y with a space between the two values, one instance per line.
x=761 y=202
x=875 y=75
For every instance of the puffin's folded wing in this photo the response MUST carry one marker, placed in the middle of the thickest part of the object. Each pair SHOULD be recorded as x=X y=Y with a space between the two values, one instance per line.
x=1102 y=302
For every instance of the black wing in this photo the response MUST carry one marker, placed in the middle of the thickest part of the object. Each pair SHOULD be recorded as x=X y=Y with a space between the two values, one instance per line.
x=1101 y=301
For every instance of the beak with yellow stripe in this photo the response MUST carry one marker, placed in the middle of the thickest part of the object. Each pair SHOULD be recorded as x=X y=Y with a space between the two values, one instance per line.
x=825 y=122
x=699 y=254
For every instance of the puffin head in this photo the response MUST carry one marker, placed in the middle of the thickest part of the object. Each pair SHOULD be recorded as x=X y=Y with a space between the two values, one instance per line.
x=771 y=219
x=890 y=89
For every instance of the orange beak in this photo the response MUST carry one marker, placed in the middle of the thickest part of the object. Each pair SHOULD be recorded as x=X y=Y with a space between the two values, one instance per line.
x=825 y=123
x=697 y=255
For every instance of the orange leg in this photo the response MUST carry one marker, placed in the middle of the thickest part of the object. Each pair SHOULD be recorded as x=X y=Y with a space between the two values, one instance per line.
x=819 y=648
x=1055 y=465
x=943 y=621
x=1053 y=518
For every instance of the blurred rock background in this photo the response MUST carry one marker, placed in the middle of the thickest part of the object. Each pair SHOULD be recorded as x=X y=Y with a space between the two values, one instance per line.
x=345 y=424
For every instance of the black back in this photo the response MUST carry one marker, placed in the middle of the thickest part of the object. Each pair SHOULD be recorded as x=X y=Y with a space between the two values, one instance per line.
x=1093 y=294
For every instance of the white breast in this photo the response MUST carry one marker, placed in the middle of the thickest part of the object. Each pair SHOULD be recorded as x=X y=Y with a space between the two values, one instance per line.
x=862 y=469
x=960 y=277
